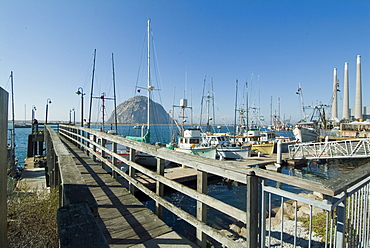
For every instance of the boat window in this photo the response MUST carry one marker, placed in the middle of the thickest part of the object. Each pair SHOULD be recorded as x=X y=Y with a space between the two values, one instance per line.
x=194 y=141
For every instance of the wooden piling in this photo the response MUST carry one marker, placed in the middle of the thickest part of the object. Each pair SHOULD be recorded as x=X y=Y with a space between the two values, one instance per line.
x=202 y=183
x=3 y=166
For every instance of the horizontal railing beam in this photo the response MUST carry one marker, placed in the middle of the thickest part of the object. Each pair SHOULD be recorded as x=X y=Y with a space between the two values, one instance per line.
x=227 y=169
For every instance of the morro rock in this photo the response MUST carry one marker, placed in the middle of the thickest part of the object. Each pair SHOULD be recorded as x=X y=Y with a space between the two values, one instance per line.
x=134 y=111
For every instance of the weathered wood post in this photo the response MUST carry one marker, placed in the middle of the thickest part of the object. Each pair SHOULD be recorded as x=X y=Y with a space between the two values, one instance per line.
x=252 y=210
x=50 y=161
x=160 y=186
x=279 y=154
x=94 y=147
x=103 y=143
x=3 y=166
x=202 y=182
x=131 y=171
x=114 y=160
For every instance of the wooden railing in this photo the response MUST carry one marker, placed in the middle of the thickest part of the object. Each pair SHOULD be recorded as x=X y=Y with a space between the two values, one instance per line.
x=253 y=216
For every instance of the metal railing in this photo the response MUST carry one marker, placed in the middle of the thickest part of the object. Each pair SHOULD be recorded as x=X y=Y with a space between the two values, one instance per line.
x=274 y=215
x=352 y=148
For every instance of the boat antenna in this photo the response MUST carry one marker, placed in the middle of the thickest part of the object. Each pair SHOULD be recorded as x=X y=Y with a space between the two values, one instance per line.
x=299 y=92
x=114 y=94
x=92 y=88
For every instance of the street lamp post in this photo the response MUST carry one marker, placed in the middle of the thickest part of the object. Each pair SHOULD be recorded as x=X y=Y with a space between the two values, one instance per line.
x=74 y=116
x=80 y=91
x=48 y=101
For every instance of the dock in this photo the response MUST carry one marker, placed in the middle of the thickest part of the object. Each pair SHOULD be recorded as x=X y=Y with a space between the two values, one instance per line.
x=123 y=219
x=33 y=177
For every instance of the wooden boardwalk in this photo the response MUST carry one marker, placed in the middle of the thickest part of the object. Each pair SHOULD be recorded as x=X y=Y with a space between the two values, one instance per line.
x=123 y=219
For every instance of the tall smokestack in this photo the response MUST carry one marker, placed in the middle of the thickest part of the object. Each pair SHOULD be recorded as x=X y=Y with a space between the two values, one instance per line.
x=345 y=93
x=334 y=106
x=358 y=101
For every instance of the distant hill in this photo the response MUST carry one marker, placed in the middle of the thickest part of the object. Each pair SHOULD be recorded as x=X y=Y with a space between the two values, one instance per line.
x=134 y=111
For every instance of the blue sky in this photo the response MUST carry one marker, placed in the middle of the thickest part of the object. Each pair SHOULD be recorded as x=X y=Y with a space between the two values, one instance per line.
x=272 y=45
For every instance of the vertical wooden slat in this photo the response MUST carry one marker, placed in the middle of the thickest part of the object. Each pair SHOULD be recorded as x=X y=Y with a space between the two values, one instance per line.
x=160 y=186
x=131 y=171
x=114 y=160
x=252 y=210
x=202 y=181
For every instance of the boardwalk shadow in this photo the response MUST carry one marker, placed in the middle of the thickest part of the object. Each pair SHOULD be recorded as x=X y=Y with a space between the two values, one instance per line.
x=117 y=219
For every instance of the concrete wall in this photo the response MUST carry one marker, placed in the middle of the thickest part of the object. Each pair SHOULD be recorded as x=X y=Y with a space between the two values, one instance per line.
x=4 y=96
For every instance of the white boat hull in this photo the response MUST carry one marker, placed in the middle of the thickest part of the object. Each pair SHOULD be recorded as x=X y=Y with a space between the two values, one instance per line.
x=305 y=134
x=237 y=152
x=206 y=152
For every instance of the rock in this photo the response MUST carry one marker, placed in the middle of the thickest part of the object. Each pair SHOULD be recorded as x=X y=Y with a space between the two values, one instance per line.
x=134 y=111
x=289 y=212
x=304 y=212
x=274 y=221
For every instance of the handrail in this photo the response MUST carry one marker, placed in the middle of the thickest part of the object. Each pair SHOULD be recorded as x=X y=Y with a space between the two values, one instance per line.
x=232 y=170
x=228 y=169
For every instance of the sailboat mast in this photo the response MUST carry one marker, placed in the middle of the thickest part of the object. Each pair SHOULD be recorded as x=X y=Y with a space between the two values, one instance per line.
x=13 y=114
x=92 y=88
x=236 y=105
x=114 y=92
x=148 y=116
x=247 y=104
x=213 y=105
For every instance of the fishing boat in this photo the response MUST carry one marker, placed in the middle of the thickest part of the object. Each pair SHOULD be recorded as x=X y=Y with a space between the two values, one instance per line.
x=225 y=148
x=306 y=132
x=260 y=144
x=191 y=142
x=308 y=129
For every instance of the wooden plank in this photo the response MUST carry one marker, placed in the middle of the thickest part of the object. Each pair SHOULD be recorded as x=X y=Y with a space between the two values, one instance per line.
x=171 y=239
x=73 y=221
x=123 y=219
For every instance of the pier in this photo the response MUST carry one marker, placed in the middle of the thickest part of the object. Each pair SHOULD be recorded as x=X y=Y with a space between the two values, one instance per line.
x=98 y=207
x=87 y=146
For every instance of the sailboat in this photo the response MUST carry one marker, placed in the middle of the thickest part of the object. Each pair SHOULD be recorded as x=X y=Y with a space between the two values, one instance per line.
x=226 y=148
x=141 y=157
x=13 y=165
